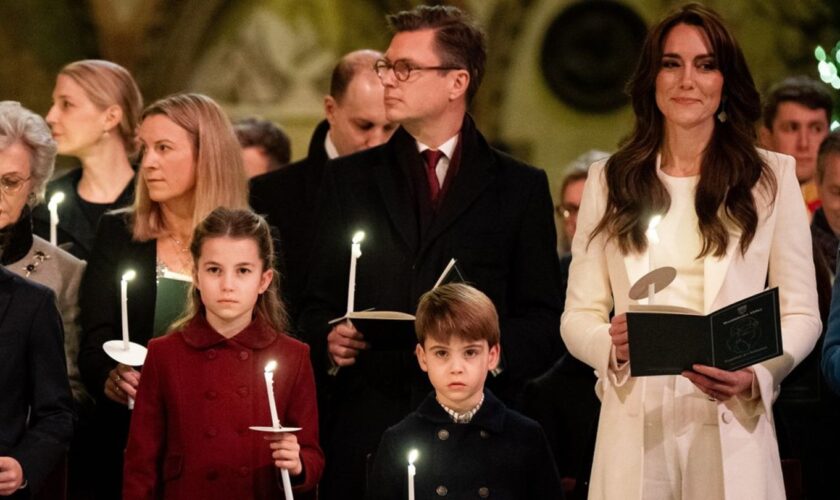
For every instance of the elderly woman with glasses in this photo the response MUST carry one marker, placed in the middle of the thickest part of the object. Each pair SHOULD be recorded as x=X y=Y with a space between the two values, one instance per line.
x=27 y=155
x=36 y=410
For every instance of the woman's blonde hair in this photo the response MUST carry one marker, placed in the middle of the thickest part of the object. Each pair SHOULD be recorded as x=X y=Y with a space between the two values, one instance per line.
x=105 y=84
x=238 y=224
x=219 y=174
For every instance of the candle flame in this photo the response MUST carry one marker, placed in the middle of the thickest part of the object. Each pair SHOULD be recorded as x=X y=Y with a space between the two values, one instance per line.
x=129 y=275
x=271 y=366
x=358 y=237
x=56 y=198
x=412 y=456
x=652 y=235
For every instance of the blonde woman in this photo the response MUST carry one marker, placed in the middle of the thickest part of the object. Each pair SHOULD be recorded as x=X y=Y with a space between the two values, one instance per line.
x=94 y=114
x=191 y=163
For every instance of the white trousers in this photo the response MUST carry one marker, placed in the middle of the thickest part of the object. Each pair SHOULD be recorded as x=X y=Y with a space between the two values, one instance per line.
x=683 y=459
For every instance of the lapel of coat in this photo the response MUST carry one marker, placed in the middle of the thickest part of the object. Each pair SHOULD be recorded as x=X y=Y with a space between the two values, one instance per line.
x=475 y=172
x=394 y=182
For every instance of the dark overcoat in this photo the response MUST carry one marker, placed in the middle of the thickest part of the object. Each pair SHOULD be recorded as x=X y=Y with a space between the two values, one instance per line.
x=495 y=218
x=36 y=406
x=500 y=454
x=199 y=394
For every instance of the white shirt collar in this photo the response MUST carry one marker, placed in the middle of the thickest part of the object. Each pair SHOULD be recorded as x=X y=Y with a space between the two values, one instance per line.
x=447 y=148
x=329 y=146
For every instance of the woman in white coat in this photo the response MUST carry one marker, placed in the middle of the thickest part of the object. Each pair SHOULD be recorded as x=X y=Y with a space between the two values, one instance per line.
x=733 y=221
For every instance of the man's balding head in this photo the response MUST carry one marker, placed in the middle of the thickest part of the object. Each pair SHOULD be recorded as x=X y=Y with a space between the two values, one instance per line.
x=355 y=107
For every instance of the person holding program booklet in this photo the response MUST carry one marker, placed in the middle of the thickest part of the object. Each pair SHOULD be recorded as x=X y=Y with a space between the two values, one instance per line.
x=732 y=221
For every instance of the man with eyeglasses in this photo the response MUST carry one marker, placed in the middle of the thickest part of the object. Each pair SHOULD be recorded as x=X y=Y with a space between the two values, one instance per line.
x=435 y=191
x=355 y=120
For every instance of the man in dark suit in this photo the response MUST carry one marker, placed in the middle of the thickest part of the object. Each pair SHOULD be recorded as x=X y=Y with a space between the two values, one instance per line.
x=36 y=406
x=355 y=120
x=489 y=211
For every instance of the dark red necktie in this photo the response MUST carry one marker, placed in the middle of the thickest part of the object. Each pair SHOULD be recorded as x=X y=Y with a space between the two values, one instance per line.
x=432 y=157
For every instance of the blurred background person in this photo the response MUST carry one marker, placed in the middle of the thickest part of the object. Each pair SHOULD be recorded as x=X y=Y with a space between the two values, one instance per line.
x=797 y=114
x=825 y=225
x=806 y=411
x=355 y=120
x=93 y=118
x=265 y=146
x=190 y=164
x=569 y=195
x=562 y=399
x=796 y=119
x=732 y=221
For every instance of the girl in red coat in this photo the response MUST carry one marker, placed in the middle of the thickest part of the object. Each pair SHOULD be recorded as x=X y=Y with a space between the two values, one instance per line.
x=203 y=383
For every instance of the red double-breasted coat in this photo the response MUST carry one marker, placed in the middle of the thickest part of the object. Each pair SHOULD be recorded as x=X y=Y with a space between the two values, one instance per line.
x=198 y=395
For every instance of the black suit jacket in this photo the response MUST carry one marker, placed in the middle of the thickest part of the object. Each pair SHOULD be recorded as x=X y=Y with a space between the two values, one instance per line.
x=114 y=252
x=496 y=219
x=36 y=406
x=288 y=199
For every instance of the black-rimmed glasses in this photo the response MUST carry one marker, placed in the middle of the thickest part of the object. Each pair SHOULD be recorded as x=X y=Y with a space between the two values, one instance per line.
x=402 y=68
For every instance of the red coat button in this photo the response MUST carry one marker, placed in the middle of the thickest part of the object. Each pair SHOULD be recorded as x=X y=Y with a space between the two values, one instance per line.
x=243 y=355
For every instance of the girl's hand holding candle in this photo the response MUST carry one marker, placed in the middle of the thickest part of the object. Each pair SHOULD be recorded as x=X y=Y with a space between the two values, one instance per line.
x=285 y=451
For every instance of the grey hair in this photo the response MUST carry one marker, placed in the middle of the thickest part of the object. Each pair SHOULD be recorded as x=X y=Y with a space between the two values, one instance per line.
x=18 y=124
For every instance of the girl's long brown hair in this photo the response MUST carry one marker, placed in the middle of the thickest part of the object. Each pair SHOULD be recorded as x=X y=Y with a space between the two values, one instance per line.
x=730 y=167
x=238 y=224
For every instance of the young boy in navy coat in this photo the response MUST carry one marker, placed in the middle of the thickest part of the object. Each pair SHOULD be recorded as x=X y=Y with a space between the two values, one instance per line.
x=469 y=445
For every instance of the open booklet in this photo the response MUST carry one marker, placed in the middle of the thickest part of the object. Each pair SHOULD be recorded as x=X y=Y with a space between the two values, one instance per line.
x=666 y=340
x=170 y=299
x=394 y=330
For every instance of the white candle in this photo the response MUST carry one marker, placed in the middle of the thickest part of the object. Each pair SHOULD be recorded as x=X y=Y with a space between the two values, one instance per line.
x=355 y=253
x=653 y=239
x=269 y=385
x=275 y=422
x=126 y=277
x=55 y=199
x=412 y=456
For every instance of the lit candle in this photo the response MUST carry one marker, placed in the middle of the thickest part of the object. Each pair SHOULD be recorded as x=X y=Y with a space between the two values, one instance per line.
x=126 y=277
x=269 y=385
x=355 y=253
x=55 y=199
x=653 y=239
x=275 y=422
x=412 y=456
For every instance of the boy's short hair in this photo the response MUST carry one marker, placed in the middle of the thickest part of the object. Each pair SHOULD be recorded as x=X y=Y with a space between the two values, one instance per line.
x=456 y=309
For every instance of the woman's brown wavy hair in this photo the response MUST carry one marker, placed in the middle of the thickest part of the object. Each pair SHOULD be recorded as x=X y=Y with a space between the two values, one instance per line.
x=730 y=167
